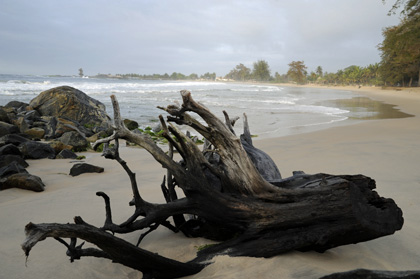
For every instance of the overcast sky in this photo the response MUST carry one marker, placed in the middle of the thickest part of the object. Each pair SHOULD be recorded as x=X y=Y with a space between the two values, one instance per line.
x=187 y=36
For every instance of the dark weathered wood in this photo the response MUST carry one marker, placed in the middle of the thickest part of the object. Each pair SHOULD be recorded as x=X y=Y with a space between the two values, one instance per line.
x=234 y=193
x=151 y=264
x=374 y=274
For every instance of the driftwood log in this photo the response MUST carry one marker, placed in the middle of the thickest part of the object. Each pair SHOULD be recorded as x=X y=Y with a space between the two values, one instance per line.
x=234 y=194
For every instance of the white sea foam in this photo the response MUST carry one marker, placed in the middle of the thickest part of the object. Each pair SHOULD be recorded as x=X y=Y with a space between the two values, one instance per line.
x=271 y=109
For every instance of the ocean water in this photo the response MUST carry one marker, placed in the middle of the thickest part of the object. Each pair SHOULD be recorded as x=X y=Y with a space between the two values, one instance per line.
x=272 y=110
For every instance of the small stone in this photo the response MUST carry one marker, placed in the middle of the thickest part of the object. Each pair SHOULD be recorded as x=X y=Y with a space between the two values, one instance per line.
x=131 y=124
x=81 y=168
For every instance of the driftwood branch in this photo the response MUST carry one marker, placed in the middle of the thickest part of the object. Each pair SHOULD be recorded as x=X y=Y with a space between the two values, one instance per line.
x=120 y=251
x=232 y=193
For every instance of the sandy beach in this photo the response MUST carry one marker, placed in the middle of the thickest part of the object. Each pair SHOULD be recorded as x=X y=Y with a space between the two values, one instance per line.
x=387 y=150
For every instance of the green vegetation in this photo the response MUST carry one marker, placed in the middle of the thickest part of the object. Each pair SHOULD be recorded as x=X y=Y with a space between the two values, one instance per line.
x=297 y=72
x=240 y=72
x=401 y=47
x=261 y=71
x=89 y=125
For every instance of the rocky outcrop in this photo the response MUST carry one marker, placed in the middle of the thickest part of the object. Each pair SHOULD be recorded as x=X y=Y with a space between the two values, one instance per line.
x=53 y=124
x=54 y=113
x=81 y=168
x=72 y=104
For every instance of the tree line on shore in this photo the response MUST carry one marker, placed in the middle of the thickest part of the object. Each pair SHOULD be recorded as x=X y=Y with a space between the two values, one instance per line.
x=399 y=66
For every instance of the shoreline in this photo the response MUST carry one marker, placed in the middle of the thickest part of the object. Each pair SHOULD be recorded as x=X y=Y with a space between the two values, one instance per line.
x=388 y=150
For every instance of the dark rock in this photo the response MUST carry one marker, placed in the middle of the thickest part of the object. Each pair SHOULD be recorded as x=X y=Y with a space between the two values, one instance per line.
x=39 y=123
x=66 y=154
x=80 y=168
x=8 y=159
x=4 y=115
x=10 y=169
x=23 y=124
x=70 y=103
x=8 y=114
x=7 y=128
x=74 y=139
x=50 y=127
x=35 y=133
x=85 y=131
x=64 y=126
x=24 y=181
x=14 y=139
x=10 y=149
x=16 y=104
x=131 y=124
x=58 y=146
x=374 y=274
x=55 y=127
x=32 y=116
x=36 y=150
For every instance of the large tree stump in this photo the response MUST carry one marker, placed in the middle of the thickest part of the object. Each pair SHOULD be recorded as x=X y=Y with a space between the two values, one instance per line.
x=236 y=196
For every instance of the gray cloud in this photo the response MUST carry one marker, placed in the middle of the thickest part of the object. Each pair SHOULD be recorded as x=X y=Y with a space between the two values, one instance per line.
x=58 y=37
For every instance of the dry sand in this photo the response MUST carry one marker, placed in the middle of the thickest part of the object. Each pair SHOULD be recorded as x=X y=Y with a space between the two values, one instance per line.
x=386 y=150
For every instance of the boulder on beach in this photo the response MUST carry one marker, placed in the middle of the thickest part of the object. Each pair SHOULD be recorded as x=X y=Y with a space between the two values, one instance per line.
x=11 y=168
x=4 y=114
x=17 y=105
x=74 y=139
x=36 y=150
x=59 y=146
x=24 y=181
x=69 y=103
x=10 y=149
x=7 y=128
x=81 y=168
x=14 y=139
x=6 y=160
x=35 y=133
